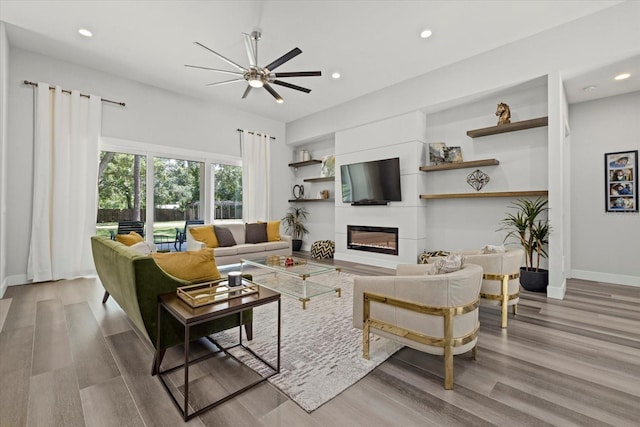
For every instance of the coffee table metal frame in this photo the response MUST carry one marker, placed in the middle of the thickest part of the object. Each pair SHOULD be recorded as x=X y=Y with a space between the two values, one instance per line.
x=290 y=285
x=189 y=317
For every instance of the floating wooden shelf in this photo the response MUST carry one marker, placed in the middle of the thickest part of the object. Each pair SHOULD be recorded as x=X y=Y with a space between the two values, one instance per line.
x=321 y=179
x=486 y=194
x=304 y=163
x=510 y=127
x=310 y=200
x=459 y=165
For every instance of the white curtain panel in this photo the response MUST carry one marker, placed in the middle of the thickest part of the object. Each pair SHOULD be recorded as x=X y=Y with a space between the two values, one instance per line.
x=255 y=176
x=65 y=184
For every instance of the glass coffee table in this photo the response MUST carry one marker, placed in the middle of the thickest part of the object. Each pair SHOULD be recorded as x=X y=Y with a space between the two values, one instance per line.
x=290 y=276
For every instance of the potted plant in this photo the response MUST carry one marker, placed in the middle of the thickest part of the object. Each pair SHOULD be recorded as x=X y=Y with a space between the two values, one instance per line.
x=294 y=224
x=530 y=227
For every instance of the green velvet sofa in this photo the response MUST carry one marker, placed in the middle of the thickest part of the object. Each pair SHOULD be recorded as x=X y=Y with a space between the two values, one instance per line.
x=135 y=281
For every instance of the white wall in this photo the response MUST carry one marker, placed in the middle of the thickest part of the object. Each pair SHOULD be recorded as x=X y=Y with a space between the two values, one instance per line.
x=4 y=78
x=402 y=137
x=463 y=224
x=604 y=246
x=152 y=115
x=321 y=214
x=573 y=46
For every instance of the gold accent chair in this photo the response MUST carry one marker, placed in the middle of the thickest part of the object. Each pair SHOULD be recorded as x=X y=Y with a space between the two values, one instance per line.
x=437 y=314
x=500 y=278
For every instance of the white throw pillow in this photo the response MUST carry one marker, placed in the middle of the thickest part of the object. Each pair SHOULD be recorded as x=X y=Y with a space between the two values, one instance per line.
x=145 y=248
x=453 y=262
x=493 y=249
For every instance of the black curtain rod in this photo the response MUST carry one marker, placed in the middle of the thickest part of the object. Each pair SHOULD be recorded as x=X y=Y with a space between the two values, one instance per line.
x=122 y=104
x=253 y=133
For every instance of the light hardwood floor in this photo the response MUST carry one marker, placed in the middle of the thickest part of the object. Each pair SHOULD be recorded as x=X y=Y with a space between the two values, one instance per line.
x=68 y=360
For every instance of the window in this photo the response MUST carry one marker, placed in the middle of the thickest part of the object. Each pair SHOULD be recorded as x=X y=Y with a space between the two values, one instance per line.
x=176 y=197
x=121 y=190
x=227 y=194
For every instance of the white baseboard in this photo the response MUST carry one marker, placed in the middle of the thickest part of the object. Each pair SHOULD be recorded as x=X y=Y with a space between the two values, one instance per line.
x=17 y=279
x=557 y=292
x=3 y=287
x=596 y=276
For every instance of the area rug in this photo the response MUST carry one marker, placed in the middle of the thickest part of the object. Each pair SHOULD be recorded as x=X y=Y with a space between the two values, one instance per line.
x=321 y=351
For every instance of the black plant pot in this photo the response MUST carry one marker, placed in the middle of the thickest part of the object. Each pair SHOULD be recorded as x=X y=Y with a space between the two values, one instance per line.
x=534 y=281
x=296 y=244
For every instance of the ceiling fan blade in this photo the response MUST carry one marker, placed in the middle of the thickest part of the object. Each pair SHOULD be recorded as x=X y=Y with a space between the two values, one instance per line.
x=251 y=51
x=225 y=82
x=299 y=74
x=269 y=89
x=290 y=86
x=235 y=73
x=284 y=58
x=246 y=91
x=227 y=60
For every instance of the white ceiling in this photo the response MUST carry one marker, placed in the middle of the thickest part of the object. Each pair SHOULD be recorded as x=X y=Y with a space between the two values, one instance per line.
x=373 y=44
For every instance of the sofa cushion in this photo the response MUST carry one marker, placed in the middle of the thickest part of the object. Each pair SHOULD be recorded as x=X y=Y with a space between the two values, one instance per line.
x=225 y=237
x=129 y=239
x=194 y=266
x=226 y=251
x=271 y=246
x=205 y=235
x=255 y=232
x=248 y=248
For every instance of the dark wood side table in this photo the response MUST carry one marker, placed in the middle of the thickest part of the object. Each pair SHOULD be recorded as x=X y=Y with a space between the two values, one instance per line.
x=189 y=317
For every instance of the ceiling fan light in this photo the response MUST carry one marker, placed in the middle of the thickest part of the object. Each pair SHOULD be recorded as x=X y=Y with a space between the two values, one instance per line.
x=279 y=100
x=256 y=83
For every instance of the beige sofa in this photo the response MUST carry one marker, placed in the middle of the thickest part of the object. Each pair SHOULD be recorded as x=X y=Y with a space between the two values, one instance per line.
x=233 y=254
x=437 y=314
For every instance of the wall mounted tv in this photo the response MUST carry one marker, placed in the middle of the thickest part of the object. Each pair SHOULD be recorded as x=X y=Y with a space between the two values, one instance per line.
x=371 y=183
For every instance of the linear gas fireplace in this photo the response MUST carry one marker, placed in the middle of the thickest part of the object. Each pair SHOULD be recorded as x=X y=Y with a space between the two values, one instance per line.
x=383 y=240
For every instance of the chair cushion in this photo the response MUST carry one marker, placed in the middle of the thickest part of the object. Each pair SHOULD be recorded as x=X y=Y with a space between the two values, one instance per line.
x=205 y=235
x=224 y=236
x=193 y=266
x=129 y=239
x=255 y=232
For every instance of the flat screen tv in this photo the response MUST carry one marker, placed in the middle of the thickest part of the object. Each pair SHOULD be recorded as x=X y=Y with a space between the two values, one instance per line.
x=371 y=183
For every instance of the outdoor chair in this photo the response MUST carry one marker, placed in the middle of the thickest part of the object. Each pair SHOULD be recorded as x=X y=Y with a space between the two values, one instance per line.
x=126 y=227
x=181 y=235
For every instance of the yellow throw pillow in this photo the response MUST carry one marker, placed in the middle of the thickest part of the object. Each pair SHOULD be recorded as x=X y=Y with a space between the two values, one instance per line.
x=273 y=231
x=193 y=266
x=129 y=239
x=205 y=235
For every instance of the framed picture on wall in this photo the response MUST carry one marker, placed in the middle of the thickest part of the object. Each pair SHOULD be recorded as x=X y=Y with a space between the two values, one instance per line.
x=621 y=181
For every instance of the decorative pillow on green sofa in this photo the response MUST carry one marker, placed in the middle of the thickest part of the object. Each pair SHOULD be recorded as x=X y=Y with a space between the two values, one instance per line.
x=129 y=239
x=255 y=232
x=206 y=235
x=224 y=236
x=194 y=266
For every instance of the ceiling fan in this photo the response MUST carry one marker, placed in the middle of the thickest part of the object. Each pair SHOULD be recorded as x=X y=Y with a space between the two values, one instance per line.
x=255 y=75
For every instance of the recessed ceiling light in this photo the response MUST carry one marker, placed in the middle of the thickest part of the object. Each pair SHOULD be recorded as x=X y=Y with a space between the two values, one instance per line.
x=426 y=34
x=588 y=88
x=335 y=75
x=85 y=32
x=622 y=76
